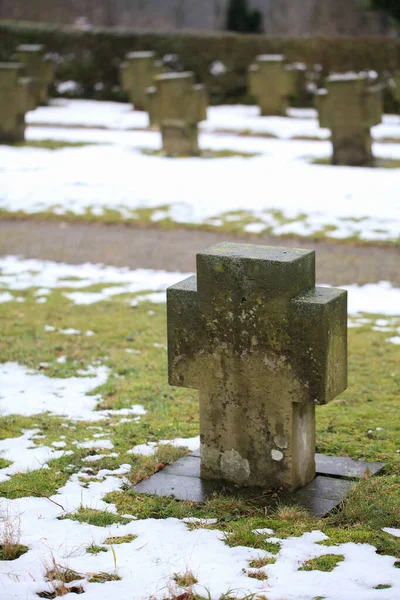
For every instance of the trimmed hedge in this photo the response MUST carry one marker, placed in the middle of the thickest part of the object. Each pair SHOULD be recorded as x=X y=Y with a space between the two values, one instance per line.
x=93 y=57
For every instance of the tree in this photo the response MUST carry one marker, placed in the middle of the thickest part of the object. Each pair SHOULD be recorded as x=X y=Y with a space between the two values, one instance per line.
x=391 y=7
x=241 y=19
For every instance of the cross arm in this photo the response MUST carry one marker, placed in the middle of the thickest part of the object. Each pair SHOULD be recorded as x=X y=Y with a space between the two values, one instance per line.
x=374 y=106
x=184 y=334
x=319 y=337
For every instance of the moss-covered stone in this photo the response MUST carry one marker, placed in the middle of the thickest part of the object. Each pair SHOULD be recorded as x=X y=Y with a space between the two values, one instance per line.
x=14 y=102
x=349 y=108
x=41 y=71
x=137 y=73
x=263 y=346
x=177 y=105
x=271 y=82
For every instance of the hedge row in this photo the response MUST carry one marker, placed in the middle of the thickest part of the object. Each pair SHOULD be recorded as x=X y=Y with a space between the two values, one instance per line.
x=91 y=58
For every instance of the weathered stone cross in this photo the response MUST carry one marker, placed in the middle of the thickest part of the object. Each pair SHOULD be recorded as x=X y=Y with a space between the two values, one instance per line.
x=137 y=73
x=271 y=82
x=263 y=346
x=177 y=105
x=349 y=107
x=14 y=102
x=42 y=71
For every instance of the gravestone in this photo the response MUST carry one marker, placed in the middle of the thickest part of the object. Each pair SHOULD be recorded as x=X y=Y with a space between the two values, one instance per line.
x=137 y=73
x=271 y=82
x=14 y=102
x=177 y=105
x=349 y=107
x=263 y=346
x=40 y=71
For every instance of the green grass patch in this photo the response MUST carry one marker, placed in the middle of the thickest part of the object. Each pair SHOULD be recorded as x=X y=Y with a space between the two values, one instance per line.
x=4 y=463
x=52 y=144
x=125 y=539
x=12 y=551
x=204 y=153
x=103 y=577
x=100 y=518
x=324 y=563
x=380 y=163
x=94 y=549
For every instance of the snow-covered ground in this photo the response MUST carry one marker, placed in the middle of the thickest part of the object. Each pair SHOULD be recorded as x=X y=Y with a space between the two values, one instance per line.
x=237 y=118
x=163 y=547
x=279 y=189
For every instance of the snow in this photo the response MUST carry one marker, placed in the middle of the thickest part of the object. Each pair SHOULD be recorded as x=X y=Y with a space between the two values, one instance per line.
x=236 y=118
x=77 y=179
x=23 y=274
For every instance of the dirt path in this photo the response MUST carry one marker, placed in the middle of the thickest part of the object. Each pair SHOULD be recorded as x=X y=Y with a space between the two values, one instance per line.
x=121 y=245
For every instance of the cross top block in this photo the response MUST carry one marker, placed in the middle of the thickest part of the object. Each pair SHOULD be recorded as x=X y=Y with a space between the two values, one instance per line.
x=271 y=82
x=263 y=346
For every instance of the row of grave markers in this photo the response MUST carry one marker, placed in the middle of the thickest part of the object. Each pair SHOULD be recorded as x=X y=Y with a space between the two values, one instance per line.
x=348 y=106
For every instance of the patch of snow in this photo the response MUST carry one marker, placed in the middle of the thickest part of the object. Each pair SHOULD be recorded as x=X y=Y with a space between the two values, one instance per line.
x=394 y=340
x=25 y=392
x=391 y=531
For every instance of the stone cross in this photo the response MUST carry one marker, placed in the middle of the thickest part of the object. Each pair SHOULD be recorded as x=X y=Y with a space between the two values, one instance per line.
x=14 y=102
x=177 y=105
x=40 y=70
x=263 y=346
x=137 y=73
x=349 y=107
x=271 y=82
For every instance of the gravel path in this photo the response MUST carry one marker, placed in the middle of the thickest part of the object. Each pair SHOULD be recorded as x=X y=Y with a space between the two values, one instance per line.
x=154 y=248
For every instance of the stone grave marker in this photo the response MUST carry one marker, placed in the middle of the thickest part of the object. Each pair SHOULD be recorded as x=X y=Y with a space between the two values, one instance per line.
x=396 y=89
x=137 y=73
x=263 y=346
x=349 y=107
x=177 y=105
x=271 y=82
x=14 y=102
x=40 y=71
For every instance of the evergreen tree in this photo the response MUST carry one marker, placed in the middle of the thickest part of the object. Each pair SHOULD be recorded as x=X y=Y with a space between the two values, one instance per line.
x=241 y=19
x=391 y=7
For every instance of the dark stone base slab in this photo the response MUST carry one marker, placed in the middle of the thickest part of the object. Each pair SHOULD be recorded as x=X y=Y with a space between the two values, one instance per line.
x=330 y=487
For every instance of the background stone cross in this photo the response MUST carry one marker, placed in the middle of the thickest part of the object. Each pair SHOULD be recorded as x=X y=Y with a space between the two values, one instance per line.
x=14 y=102
x=263 y=346
x=137 y=73
x=271 y=82
x=41 y=71
x=349 y=107
x=177 y=105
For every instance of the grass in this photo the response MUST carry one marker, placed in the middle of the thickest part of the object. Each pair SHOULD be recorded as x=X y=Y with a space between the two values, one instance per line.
x=12 y=551
x=185 y=580
x=204 y=153
x=52 y=144
x=100 y=518
x=363 y=423
x=380 y=163
x=125 y=539
x=324 y=563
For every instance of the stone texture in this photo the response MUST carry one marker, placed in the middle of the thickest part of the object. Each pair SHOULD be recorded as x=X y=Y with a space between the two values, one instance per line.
x=271 y=82
x=14 y=102
x=263 y=346
x=177 y=105
x=349 y=107
x=41 y=72
x=137 y=73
